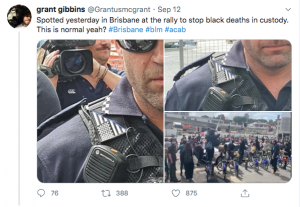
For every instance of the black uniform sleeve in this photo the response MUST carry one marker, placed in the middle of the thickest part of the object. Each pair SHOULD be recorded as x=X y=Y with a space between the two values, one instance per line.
x=62 y=153
x=42 y=174
x=188 y=92
x=172 y=102
x=47 y=99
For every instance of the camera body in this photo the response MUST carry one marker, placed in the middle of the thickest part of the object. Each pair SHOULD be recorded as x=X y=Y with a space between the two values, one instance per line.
x=71 y=61
x=74 y=62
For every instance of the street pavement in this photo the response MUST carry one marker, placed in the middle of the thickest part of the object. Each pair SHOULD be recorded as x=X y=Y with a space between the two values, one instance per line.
x=245 y=176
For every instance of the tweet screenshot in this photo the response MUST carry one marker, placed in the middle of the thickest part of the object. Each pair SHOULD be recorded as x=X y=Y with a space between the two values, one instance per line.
x=150 y=103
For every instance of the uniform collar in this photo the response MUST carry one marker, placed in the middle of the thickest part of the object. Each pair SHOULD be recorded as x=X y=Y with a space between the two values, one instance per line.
x=121 y=101
x=235 y=57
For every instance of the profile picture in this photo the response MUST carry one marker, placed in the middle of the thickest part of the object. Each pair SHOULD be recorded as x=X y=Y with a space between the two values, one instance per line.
x=19 y=16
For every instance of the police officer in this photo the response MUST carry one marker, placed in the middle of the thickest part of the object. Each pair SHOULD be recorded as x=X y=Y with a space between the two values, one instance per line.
x=253 y=75
x=91 y=86
x=135 y=103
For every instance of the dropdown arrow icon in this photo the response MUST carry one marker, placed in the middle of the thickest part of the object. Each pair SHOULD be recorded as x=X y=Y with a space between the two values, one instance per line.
x=288 y=9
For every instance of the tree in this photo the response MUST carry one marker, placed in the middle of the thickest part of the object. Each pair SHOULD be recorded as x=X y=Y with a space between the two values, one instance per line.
x=221 y=116
x=239 y=119
x=271 y=122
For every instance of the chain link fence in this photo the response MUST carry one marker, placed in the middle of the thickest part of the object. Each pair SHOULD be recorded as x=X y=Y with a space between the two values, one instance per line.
x=177 y=57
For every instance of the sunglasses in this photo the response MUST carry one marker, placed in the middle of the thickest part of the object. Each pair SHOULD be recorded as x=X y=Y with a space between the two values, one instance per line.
x=137 y=46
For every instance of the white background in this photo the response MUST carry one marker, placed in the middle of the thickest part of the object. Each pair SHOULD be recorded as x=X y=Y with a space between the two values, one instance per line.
x=21 y=112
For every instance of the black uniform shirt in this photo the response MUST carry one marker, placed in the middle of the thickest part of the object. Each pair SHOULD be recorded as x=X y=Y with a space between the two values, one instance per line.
x=188 y=92
x=75 y=90
x=62 y=153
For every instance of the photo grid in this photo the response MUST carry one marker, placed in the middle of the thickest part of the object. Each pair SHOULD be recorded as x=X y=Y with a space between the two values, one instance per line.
x=164 y=111
x=100 y=111
x=225 y=122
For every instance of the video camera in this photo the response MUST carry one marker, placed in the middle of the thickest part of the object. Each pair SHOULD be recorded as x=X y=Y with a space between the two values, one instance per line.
x=71 y=61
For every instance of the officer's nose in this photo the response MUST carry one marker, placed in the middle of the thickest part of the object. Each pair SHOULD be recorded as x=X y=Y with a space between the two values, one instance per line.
x=158 y=53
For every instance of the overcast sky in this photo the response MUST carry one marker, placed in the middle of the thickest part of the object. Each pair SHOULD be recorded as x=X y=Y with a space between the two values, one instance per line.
x=252 y=115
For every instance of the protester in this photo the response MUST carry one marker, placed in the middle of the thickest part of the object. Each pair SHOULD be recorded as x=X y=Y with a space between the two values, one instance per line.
x=231 y=149
x=211 y=142
x=190 y=140
x=198 y=138
x=241 y=150
x=167 y=143
x=172 y=159
x=287 y=153
x=180 y=149
x=253 y=149
x=167 y=167
x=199 y=151
x=266 y=146
x=257 y=144
x=275 y=153
x=187 y=157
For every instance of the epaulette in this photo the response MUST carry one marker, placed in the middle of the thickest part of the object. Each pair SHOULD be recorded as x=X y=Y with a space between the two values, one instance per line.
x=198 y=63
x=63 y=115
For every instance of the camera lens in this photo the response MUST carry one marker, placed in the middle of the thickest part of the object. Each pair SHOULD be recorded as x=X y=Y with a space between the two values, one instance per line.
x=75 y=63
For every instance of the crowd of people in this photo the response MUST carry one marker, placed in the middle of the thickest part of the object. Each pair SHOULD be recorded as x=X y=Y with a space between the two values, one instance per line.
x=204 y=146
x=188 y=147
